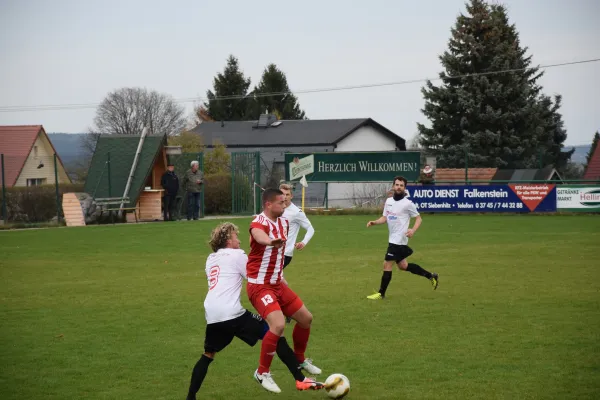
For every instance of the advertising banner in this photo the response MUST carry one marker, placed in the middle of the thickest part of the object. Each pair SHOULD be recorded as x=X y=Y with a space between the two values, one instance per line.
x=353 y=167
x=493 y=198
x=578 y=198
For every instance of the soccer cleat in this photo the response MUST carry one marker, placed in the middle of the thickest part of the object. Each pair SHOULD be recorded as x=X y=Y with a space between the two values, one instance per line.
x=266 y=381
x=435 y=280
x=375 y=296
x=309 y=367
x=308 y=384
x=288 y=320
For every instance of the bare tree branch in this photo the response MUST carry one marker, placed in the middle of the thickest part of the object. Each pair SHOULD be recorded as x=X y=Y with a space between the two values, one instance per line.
x=127 y=111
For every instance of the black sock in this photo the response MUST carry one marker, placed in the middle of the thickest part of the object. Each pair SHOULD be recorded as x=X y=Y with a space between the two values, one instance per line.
x=417 y=270
x=287 y=356
x=198 y=375
x=385 y=281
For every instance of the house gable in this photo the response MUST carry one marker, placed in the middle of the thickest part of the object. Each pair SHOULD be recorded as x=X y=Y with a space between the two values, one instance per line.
x=592 y=170
x=393 y=139
x=39 y=164
x=366 y=138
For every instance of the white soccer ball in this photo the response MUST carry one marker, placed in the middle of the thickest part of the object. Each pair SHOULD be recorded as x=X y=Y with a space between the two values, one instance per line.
x=337 y=386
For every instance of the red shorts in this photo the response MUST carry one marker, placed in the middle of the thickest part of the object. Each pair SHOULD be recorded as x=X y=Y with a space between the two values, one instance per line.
x=269 y=298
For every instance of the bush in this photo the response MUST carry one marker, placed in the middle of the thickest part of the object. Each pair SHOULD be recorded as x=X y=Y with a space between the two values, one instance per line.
x=217 y=194
x=35 y=203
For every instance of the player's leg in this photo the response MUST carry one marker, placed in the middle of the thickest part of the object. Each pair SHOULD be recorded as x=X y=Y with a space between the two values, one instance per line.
x=293 y=306
x=386 y=277
x=418 y=270
x=286 y=261
x=265 y=300
x=199 y=373
x=218 y=336
x=252 y=328
x=287 y=356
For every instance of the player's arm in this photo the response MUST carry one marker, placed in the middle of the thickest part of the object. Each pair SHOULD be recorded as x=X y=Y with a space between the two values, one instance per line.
x=242 y=260
x=412 y=211
x=262 y=238
x=310 y=231
x=378 y=221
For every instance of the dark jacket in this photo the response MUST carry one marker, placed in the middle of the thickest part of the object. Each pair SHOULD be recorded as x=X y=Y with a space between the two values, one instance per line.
x=170 y=182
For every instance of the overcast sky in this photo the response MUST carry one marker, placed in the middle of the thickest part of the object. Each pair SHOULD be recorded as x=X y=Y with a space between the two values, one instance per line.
x=76 y=51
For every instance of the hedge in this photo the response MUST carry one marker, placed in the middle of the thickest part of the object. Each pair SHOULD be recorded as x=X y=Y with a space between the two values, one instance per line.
x=35 y=203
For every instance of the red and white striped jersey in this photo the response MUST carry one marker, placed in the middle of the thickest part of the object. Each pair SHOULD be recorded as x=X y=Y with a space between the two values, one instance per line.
x=265 y=263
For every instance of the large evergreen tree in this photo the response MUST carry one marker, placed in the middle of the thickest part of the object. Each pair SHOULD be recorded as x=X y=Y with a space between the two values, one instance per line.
x=282 y=103
x=231 y=82
x=498 y=119
x=551 y=134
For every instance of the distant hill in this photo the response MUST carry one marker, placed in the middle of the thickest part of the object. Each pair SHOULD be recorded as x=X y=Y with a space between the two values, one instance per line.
x=580 y=153
x=68 y=146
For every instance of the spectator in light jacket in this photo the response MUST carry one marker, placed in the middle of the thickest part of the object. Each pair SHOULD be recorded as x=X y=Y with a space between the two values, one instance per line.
x=193 y=181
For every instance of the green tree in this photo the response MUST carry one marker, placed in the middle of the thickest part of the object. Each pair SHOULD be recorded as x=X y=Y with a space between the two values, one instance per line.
x=231 y=82
x=189 y=142
x=217 y=161
x=551 y=134
x=283 y=103
x=498 y=119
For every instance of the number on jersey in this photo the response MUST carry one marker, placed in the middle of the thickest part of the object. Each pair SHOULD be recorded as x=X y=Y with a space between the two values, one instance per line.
x=213 y=277
x=267 y=299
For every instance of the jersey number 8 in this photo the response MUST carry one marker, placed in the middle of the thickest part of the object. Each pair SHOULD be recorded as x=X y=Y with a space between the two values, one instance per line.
x=213 y=277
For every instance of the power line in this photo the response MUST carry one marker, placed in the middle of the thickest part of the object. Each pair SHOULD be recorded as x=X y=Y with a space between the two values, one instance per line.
x=58 y=107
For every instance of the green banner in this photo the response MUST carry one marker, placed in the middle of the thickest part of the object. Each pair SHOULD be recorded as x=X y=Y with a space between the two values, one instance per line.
x=353 y=167
x=579 y=198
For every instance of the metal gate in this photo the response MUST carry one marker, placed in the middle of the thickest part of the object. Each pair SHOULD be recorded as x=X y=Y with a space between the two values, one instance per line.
x=245 y=181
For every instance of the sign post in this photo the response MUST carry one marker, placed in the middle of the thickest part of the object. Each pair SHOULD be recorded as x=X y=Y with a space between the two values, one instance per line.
x=304 y=186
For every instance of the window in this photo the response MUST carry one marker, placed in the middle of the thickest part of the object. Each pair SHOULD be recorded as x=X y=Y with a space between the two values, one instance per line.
x=36 y=181
x=35 y=151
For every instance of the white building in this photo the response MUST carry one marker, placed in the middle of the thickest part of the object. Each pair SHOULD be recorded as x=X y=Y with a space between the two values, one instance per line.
x=274 y=138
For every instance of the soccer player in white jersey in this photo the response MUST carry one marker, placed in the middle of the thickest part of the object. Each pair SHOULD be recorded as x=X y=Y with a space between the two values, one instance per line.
x=297 y=219
x=225 y=316
x=397 y=212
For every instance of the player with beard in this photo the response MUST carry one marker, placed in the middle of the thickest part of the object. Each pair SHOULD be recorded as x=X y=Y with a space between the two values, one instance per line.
x=397 y=212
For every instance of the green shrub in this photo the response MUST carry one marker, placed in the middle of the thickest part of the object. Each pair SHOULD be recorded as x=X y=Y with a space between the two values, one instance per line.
x=217 y=193
x=35 y=203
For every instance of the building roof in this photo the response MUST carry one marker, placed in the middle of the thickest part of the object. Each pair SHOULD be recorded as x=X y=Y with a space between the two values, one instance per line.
x=458 y=174
x=122 y=150
x=16 y=142
x=531 y=174
x=323 y=132
x=592 y=171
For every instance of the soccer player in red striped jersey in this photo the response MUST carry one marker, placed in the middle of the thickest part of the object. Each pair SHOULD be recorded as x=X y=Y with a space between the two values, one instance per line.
x=272 y=298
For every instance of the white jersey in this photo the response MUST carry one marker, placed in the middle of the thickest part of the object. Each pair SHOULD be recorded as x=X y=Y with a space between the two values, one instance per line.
x=225 y=271
x=398 y=215
x=297 y=219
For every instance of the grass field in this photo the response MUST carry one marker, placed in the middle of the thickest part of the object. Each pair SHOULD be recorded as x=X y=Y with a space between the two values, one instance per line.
x=115 y=312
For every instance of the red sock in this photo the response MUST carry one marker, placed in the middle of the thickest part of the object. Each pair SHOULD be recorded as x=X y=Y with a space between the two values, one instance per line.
x=300 y=337
x=267 y=351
